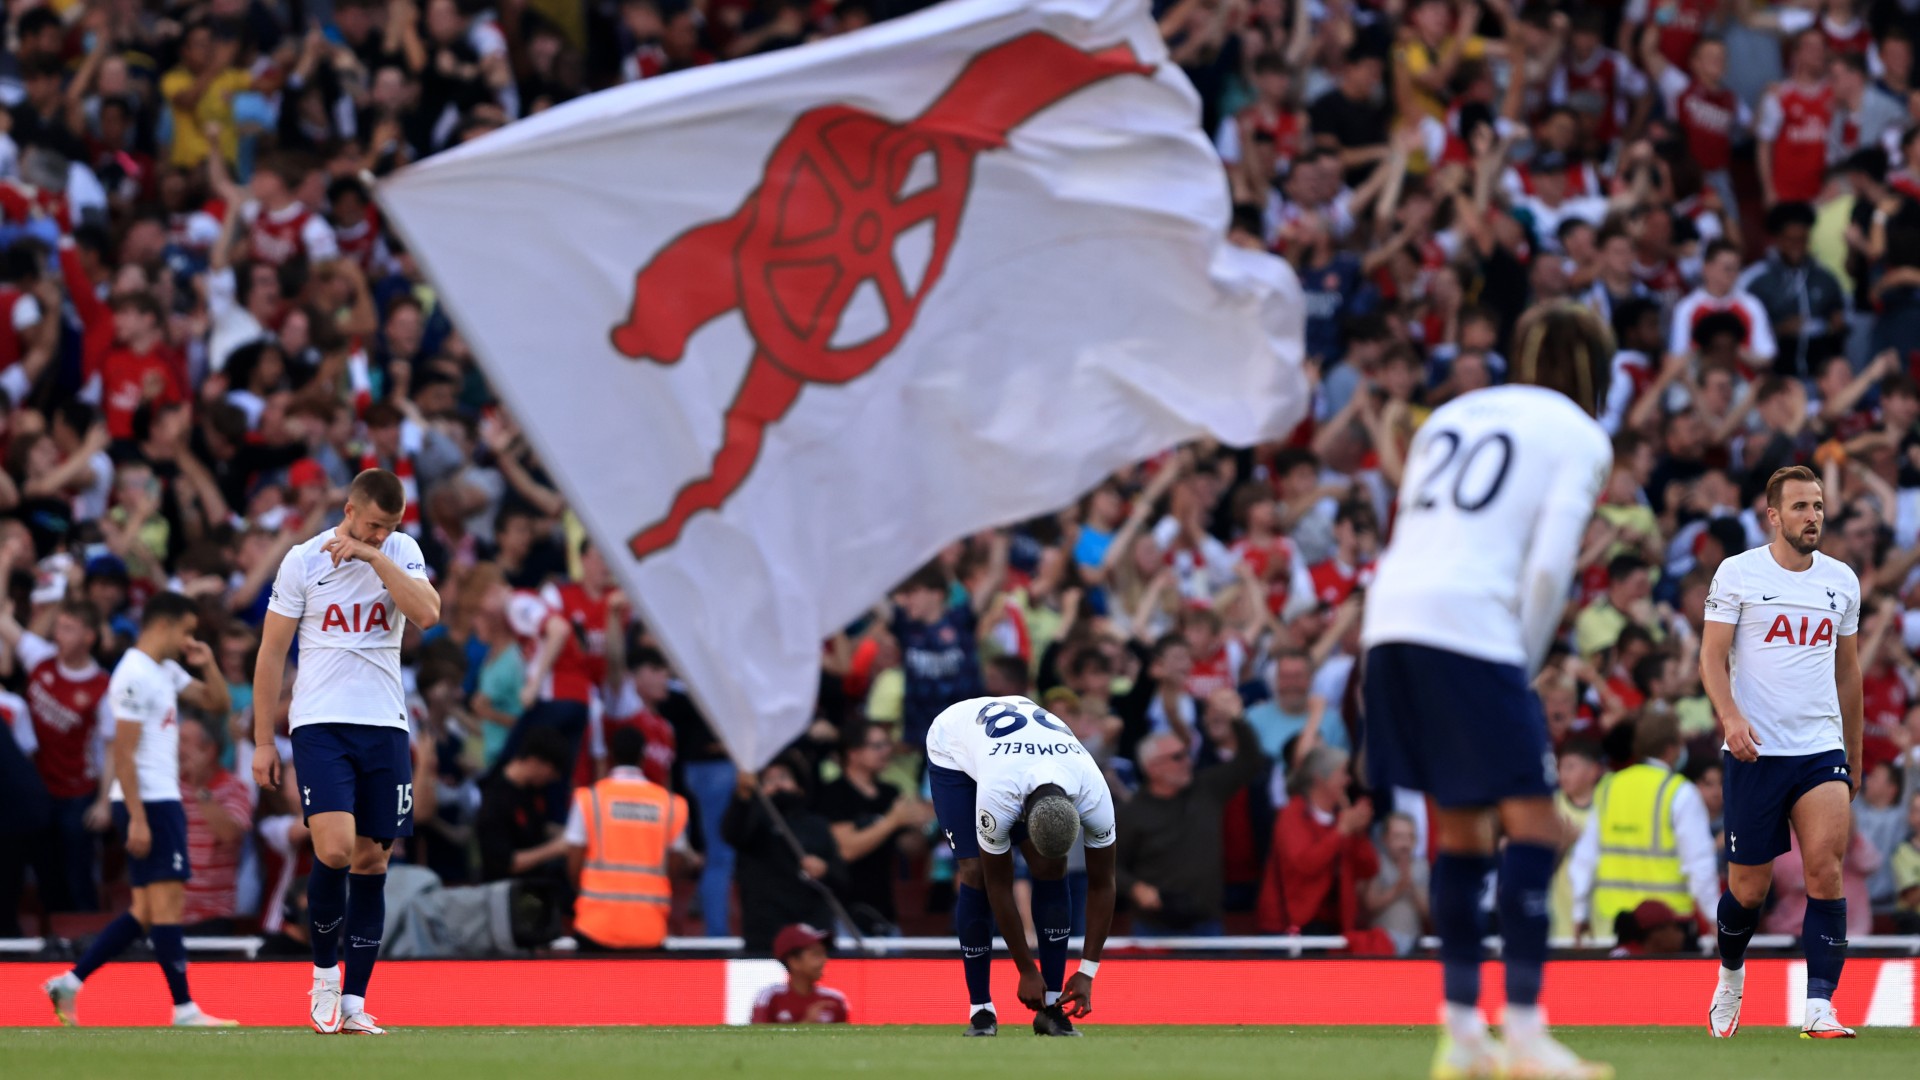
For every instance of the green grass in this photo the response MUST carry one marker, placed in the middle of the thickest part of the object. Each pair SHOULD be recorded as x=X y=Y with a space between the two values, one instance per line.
x=1157 y=1053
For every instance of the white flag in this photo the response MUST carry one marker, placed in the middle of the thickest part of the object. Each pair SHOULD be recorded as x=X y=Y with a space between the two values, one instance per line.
x=784 y=327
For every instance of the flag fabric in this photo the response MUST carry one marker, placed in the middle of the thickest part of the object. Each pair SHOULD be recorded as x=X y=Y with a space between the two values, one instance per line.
x=782 y=328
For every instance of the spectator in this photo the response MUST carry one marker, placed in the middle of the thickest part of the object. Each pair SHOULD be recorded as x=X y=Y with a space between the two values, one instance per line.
x=642 y=700
x=219 y=808
x=1863 y=114
x=66 y=709
x=938 y=643
x=1580 y=768
x=1795 y=117
x=1321 y=859
x=1657 y=844
x=1171 y=866
x=802 y=950
x=1804 y=303
x=1720 y=293
x=515 y=827
x=1878 y=816
x=873 y=826
x=622 y=835
x=25 y=813
x=1627 y=603
x=1906 y=872
x=200 y=93
x=780 y=885
x=1293 y=709
x=1651 y=929
x=1396 y=899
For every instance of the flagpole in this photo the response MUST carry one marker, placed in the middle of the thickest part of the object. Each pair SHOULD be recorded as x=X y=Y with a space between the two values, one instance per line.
x=800 y=853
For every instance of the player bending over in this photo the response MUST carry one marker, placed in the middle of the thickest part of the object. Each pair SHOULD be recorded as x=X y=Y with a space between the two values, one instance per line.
x=1779 y=661
x=1004 y=771
x=144 y=696
x=1498 y=488
x=349 y=593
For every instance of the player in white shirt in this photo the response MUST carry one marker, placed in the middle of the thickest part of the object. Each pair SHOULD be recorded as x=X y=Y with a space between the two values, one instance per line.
x=1006 y=772
x=144 y=695
x=1779 y=659
x=1498 y=488
x=349 y=594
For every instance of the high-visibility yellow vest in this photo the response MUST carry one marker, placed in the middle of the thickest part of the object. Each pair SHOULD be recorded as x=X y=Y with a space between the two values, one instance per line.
x=625 y=893
x=1639 y=860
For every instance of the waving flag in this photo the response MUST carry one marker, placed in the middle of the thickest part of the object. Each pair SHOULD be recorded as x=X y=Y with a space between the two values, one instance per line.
x=784 y=327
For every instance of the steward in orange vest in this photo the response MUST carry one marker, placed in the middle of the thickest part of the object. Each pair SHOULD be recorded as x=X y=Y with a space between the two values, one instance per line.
x=619 y=835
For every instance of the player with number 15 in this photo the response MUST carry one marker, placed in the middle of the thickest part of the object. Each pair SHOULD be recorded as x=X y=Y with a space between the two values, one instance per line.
x=349 y=593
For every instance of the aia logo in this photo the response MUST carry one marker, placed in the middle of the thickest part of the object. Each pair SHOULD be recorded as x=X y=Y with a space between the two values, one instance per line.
x=336 y=618
x=838 y=192
x=1783 y=630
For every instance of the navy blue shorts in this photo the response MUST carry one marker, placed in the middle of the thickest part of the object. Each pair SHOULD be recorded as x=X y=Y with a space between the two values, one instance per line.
x=1466 y=731
x=166 y=860
x=1760 y=797
x=953 y=804
x=364 y=770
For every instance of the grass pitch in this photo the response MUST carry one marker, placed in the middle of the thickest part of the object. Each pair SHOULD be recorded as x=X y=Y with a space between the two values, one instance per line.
x=900 y=1053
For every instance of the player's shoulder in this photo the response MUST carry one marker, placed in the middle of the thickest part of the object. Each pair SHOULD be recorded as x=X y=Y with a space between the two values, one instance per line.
x=1528 y=411
x=830 y=992
x=404 y=550
x=768 y=993
x=306 y=550
x=1745 y=561
x=132 y=664
x=1831 y=569
x=971 y=707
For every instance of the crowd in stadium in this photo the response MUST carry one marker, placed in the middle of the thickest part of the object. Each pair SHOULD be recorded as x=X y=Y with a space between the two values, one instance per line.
x=207 y=332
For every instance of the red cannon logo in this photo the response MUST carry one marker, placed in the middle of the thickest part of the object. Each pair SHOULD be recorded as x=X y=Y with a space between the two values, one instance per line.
x=840 y=188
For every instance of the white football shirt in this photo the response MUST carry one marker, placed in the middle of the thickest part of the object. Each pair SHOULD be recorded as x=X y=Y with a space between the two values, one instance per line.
x=1785 y=629
x=1010 y=746
x=1498 y=488
x=350 y=631
x=146 y=691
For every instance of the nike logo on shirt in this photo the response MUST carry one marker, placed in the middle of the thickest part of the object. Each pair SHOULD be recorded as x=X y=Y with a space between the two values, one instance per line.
x=1763 y=599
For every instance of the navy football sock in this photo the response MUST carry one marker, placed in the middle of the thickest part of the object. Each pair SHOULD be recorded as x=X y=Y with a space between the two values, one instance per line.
x=1736 y=922
x=1526 y=875
x=111 y=942
x=366 y=917
x=1823 y=934
x=973 y=924
x=1052 y=924
x=326 y=911
x=171 y=952
x=1457 y=881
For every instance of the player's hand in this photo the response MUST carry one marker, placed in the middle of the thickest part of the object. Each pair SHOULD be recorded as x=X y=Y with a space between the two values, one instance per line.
x=1077 y=999
x=266 y=766
x=814 y=867
x=1033 y=989
x=196 y=653
x=98 y=817
x=139 y=838
x=1741 y=741
x=345 y=548
x=1145 y=896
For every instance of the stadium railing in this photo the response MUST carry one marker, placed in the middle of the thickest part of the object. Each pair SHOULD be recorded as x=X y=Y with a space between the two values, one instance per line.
x=1288 y=945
